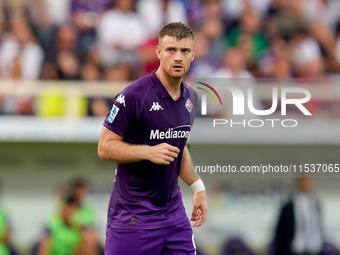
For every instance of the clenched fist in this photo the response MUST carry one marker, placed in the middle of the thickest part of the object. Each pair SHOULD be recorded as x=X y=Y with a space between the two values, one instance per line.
x=162 y=154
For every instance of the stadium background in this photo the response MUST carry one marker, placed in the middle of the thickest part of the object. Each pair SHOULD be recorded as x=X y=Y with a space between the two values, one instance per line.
x=62 y=62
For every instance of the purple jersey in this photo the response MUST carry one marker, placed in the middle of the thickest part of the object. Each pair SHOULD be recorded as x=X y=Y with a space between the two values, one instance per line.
x=146 y=195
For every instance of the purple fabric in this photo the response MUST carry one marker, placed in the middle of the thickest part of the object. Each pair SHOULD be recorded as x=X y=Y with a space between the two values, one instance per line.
x=145 y=113
x=177 y=239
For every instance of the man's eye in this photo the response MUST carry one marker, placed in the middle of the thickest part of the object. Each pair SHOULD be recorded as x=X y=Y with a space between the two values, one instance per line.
x=185 y=51
x=171 y=50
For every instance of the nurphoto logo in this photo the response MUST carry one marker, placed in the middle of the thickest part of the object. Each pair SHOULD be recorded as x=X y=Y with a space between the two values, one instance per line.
x=243 y=102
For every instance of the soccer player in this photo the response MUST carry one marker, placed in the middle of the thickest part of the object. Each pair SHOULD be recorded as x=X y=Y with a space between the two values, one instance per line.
x=145 y=132
x=63 y=235
x=85 y=215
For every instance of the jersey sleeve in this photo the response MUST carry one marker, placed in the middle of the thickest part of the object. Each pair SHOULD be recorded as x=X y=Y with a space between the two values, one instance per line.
x=122 y=114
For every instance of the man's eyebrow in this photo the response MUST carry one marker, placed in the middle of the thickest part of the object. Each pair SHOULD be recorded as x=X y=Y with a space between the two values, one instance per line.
x=175 y=48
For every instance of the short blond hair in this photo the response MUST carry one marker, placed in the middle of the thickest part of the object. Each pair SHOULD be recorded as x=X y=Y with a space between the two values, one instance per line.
x=178 y=30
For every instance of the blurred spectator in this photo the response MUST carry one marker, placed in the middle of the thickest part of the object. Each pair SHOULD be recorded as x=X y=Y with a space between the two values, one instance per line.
x=65 y=52
x=193 y=9
x=85 y=18
x=234 y=8
x=21 y=57
x=276 y=63
x=234 y=69
x=211 y=9
x=44 y=16
x=68 y=66
x=249 y=37
x=260 y=6
x=120 y=31
x=234 y=64
x=57 y=12
x=163 y=12
x=98 y=107
x=285 y=19
x=213 y=30
x=93 y=58
x=49 y=71
x=90 y=72
x=325 y=11
x=114 y=73
x=327 y=42
x=48 y=14
x=299 y=227
x=148 y=58
x=118 y=72
x=65 y=40
x=64 y=235
x=198 y=11
x=91 y=69
x=15 y=8
x=204 y=65
x=307 y=57
x=311 y=39
x=85 y=215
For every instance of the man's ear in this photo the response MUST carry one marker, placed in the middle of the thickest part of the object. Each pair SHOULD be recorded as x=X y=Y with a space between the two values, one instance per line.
x=158 y=52
x=193 y=54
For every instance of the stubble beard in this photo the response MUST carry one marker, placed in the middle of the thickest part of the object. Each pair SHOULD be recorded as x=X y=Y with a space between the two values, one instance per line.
x=177 y=74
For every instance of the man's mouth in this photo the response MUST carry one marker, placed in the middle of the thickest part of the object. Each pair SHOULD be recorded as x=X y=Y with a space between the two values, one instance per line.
x=177 y=66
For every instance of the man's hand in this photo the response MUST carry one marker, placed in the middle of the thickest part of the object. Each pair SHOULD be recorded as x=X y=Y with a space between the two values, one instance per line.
x=162 y=154
x=199 y=212
x=111 y=147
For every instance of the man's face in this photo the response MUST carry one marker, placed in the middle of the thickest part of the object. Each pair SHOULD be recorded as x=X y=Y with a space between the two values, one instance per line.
x=305 y=185
x=175 y=55
x=68 y=212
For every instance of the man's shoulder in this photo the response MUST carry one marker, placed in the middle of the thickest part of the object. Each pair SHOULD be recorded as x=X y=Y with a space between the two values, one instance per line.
x=139 y=87
x=136 y=91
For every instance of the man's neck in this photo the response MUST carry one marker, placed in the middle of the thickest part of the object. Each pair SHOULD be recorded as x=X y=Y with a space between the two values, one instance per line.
x=172 y=85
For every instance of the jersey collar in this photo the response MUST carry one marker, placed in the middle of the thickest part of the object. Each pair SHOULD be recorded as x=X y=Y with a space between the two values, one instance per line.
x=164 y=93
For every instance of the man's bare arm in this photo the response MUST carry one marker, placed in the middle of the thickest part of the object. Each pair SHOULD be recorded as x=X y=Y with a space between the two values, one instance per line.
x=187 y=172
x=189 y=176
x=111 y=147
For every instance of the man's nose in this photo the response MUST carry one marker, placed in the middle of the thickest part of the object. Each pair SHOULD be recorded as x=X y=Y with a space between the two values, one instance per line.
x=178 y=56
